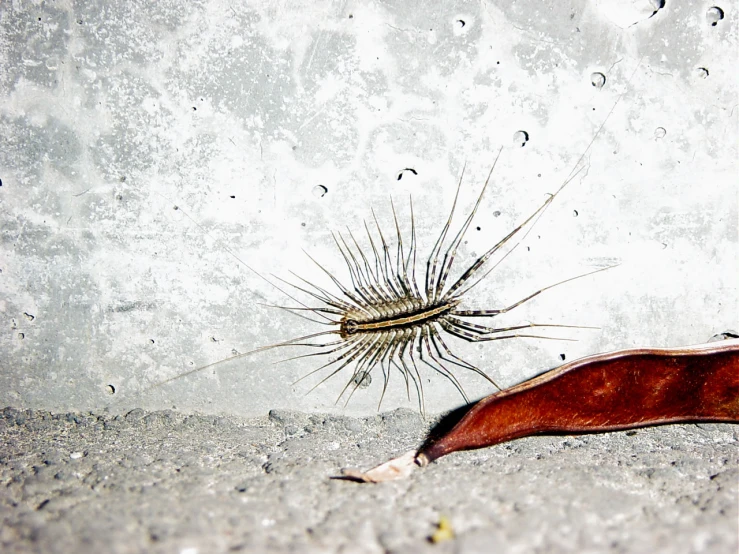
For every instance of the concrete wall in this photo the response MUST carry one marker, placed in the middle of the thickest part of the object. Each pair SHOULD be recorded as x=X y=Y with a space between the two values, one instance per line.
x=270 y=125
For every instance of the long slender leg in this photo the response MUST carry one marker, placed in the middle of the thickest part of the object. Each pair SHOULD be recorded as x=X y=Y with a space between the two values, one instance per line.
x=343 y=344
x=456 y=360
x=471 y=336
x=451 y=252
x=369 y=362
x=411 y=345
x=400 y=268
x=381 y=283
x=411 y=260
x=387 y=274
x=467 y=275
x=368 y=277
x=433 y=259
x=341 y=287
x=485 y=330
x=296 y=312
x=357 y=277
x=439 y=368
x=328 y=298
x=348 y=356
x=325 y=299
x=532 y=295
x=416 y=378
x=363 y=349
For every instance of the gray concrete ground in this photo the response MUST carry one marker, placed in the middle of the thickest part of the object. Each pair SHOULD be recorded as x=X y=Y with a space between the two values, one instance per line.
x=167 y=482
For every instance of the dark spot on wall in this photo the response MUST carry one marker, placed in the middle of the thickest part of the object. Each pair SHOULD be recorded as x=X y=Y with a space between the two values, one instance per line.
x=409 y=169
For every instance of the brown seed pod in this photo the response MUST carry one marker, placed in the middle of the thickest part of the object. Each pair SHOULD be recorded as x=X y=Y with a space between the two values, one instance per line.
x=606 y=392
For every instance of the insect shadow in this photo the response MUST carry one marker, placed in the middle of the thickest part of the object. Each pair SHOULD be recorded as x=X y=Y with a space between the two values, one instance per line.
x=397 y=310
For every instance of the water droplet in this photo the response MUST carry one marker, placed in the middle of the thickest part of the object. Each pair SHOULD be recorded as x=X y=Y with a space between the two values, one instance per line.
x=520 y=138
x=714 y=15
x=319 y=191
x=660 y=133
x=597 y=79
x=362 y=380
x=701 y=72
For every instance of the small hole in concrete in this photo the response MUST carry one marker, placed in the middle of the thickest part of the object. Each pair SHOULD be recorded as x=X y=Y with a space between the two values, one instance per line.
x=479 y=228
x=597 y=79
x=319 y=191
x=702 y=73
x=562 y=357
x=151 y=341
x=660 y=133
x=409 y=169
x=29 y=317
x=520 y=138
x=110 y=389
x=362 y=380
x=21 y=336
x=233 y=196
x=575 y=213
x=714 y=15
x=496 y=213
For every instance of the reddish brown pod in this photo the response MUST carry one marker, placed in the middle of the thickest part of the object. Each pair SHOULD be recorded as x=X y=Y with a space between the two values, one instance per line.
x=605 y=392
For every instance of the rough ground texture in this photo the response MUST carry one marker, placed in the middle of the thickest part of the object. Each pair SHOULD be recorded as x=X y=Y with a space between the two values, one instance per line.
x=166 y=482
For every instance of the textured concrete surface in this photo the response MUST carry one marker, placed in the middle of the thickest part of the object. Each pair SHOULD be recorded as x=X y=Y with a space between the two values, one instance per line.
x=270 y=125
x=165 y=482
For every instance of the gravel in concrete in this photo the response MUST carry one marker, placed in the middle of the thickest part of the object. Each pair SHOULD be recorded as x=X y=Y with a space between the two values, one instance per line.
x=169 y=482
